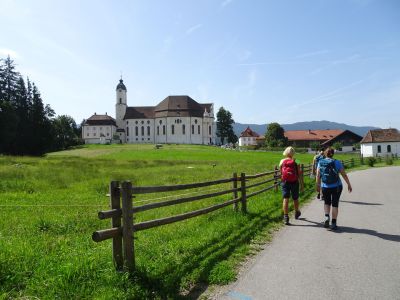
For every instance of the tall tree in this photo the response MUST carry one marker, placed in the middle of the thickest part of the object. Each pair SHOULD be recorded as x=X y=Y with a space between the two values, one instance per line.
x=224 y=126
x=65 y=132
x=275 y=136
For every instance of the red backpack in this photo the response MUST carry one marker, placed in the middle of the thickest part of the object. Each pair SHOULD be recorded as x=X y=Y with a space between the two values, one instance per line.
x=289 y=170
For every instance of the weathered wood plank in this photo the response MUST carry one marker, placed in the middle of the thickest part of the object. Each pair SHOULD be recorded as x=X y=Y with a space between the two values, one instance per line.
x=102 y=235
x=260 y=183
x=107 y=214
x=260 y=191
x=116 y=223
x=127 y=227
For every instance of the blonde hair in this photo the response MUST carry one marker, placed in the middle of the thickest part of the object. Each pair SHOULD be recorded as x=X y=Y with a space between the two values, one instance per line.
x=289 y=151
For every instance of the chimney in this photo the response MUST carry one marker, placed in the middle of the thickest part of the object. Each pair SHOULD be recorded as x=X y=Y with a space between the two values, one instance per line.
x=309 y=131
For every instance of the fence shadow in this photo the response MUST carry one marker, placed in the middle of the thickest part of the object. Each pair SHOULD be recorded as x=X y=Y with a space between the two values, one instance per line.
x=385 y=236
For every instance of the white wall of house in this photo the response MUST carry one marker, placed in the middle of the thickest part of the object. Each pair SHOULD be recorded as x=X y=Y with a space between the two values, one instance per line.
x=92 y=134
x=247 y=141
x=372 y=149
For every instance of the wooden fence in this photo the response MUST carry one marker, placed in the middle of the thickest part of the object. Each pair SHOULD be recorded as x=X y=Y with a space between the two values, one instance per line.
x=122 y=211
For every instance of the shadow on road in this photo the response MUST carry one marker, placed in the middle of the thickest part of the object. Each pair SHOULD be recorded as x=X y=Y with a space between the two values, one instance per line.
x=361 y=203
x=385 y=236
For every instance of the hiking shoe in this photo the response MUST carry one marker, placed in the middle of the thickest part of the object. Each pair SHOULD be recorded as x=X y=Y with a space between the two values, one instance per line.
x=326 y=223
x=297 y=214
x=334 y=226
x=319 y=196
x=286 y=220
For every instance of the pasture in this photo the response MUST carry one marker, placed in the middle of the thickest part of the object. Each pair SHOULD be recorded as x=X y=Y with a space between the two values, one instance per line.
x=48 y=211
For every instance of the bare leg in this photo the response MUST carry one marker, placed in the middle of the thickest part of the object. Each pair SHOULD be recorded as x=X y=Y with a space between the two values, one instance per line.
x=327 y=209
x=335 y=211
x=296 y=204
x=285 y=206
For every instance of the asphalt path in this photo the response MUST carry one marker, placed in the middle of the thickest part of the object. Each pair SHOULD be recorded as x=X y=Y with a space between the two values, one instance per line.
x=361 y=260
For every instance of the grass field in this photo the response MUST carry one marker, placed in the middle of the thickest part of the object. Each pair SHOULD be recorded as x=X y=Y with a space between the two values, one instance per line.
x=48 y=211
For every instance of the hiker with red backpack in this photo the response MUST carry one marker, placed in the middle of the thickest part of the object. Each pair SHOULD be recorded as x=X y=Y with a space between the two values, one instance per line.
x=291 y=181
x=328 y=179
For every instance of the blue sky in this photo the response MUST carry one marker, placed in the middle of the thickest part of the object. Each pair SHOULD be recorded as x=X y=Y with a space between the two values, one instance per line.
x=264 y=61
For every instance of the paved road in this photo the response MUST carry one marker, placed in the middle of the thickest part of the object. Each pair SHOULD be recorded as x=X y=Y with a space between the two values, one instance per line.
x=359 y=261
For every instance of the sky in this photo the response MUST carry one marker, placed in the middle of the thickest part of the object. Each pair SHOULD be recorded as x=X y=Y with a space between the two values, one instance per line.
x=264 y=61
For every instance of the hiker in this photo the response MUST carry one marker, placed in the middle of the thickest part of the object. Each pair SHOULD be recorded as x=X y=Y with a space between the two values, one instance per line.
x=291 y=179
x=328 y=179
x=318 y=156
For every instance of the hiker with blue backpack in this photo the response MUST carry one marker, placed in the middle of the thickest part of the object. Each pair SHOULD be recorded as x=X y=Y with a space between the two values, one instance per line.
x=291 y=182
x=328 y=179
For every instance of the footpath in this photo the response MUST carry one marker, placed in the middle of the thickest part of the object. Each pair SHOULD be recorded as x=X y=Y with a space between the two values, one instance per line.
x=361 y=260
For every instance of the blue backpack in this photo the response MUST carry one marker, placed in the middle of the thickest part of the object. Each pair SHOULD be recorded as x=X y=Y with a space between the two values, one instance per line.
x=327 y=171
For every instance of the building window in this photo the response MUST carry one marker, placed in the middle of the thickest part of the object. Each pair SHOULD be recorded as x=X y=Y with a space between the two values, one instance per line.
x=101 y=128
x=195 y=121
x=198 y=129
x=163 y=130
x=127 y=122
x=127 y=131
x=142 y=130
x=209 y=130
x=389 y=148
x=158 y=130
x=192 y=129
x=108 y=134
x=160 y=122
x=136 y=122
x=379 y=149
x=183 y=129
x=142 y=122
x=136 y=131
x=173 y=129
x=87 y=134
x=120 y=100
x=94 y=134
x=148 y=122
x=148 y=130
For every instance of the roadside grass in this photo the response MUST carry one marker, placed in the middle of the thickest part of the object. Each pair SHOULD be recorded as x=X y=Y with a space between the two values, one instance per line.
x=48 y=211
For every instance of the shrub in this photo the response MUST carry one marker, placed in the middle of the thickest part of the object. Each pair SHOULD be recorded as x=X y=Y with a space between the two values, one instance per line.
x=371 y=161
x=389 y=160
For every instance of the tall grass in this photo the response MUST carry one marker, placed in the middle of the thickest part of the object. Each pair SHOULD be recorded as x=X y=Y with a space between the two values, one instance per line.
x=48 y=211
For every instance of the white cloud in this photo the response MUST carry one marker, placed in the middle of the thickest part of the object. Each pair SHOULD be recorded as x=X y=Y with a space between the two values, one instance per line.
x=5 y=52
x=193 y=28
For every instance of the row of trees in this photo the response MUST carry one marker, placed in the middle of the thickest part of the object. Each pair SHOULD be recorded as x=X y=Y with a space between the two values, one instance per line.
x=27 y=126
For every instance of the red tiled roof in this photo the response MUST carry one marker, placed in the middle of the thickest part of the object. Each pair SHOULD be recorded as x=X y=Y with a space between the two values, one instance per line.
x=100 y=120
x=312 y=135
x=249 y=133
x=381 y=135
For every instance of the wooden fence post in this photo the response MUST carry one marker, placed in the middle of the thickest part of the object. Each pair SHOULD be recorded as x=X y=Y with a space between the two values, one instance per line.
x=235 y=193
x=276 y=178
x=243 y=191
x=115 y=203
x=127 y=227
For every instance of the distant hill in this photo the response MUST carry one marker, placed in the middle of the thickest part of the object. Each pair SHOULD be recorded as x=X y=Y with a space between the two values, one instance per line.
x=313 y=125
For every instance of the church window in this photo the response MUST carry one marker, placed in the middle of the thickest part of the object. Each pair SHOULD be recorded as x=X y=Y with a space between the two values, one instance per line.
x=183 y=129
x=101 y=128
x=142 y=122
x=192 y=129
x=142 y=139
x=173 y=129
x=148 y=121
x=120 y=100
x=163 y=130
x=94 y=134
x=198 y=129
x=87 y=134
x=389 y=148
x=160 y=122
x=195 y=121
x=127 y=131
x=136 y=138
x=108 y=134
x=209 y=130
x=379 y=149
x=142 y=131
x=148 y=130
x=127 y=122
x=158 y=130
x=136 y=122
x=136 y=131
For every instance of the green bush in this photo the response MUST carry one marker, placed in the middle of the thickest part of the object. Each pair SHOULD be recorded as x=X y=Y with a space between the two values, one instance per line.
x=389 y=160
x=371 y=161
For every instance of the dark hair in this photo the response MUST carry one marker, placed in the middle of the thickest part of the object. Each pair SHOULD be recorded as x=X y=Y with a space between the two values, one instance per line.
x=329 y=152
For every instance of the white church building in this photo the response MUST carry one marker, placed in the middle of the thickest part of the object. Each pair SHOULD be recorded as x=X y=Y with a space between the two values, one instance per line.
x=175 y=120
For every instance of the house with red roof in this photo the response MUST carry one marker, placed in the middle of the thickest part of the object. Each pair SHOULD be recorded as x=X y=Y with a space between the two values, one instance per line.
x=381 y=142
x=325 y=138
x=248 y=137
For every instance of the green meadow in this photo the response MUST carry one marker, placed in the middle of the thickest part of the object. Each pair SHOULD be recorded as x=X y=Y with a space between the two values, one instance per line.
x=48 y=212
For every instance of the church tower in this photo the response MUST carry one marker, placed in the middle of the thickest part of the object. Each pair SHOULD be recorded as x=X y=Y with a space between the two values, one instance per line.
x=121 y=103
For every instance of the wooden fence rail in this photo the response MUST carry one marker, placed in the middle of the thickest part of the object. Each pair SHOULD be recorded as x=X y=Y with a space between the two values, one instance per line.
x=122 y=210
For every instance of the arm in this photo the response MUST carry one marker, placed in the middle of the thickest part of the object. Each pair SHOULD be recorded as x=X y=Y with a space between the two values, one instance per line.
x=318 y=181
x=344 y=175
x=314 y=166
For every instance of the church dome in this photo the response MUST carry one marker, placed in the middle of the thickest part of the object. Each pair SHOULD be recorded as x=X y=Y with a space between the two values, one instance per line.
x=121 y=85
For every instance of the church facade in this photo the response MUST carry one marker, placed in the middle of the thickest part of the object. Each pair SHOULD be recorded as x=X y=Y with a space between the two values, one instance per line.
x=175 y=120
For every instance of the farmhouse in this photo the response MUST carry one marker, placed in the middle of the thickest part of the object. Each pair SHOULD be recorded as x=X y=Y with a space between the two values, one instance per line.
x=176 y=119
x=381 y=142
x=325 y=138
x=248 y=137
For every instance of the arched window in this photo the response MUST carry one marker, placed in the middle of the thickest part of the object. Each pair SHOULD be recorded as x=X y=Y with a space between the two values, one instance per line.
x=173 y=129
x=209 y=130
x=142 y=130
x=379 y=149
x=148 y=130
x=120 y=100
x=198 y=129
x=183 y=129
x=389 y=148
x=192 y=129
x=163 y=129
x=136 y=131
x=127 y=131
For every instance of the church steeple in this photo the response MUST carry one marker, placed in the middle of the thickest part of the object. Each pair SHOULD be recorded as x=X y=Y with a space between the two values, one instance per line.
x=121 y=103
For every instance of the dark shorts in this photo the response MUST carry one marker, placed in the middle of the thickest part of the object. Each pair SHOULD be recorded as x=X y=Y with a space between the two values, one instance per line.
x=290 y=189
x=331 y=195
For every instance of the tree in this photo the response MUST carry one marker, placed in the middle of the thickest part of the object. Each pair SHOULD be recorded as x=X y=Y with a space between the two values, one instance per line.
x=337 y=146
x=224 y=126
x=275 y=137
x=314 y=146
x=65 y=132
